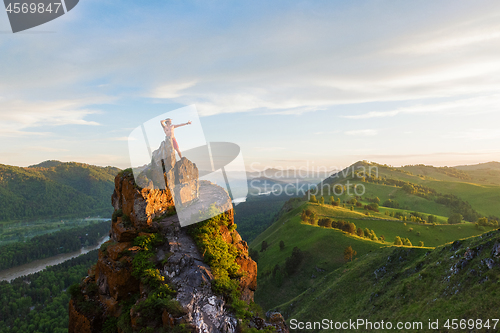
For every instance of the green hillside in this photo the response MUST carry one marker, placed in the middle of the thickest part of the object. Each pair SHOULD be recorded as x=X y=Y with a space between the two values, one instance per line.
x=484 y=173
x=483 y=198
x=304 y=269
x=322 y=249
x=431 y=234
x=55 y=189
x=458 y=280
x=406 y=201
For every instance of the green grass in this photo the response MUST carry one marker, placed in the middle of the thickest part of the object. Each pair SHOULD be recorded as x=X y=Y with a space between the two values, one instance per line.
x=410 y=285
x=324 y=250
x=406 y=201
x=324 y=247
x=431 y=235
x=341 y=212
x=483 y=197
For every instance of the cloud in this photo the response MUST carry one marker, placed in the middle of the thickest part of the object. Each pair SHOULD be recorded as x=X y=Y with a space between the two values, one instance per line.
x=475 y=105
x=171 y=90
x=47 y=149
x=475 y=134
x=319 y=69
x=288 y=59
x=122 y=138
x=16 y=116
x=472 y=33
x=364 y=132
x=268 y=148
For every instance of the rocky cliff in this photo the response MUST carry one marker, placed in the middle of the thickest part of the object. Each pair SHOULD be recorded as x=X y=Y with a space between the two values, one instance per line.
x=156 y=276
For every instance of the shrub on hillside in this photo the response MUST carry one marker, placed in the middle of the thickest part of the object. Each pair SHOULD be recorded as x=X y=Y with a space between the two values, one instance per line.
x=325 y=222
x=349 y=253
x=292 y=263
x=390 y=203
x=455 y=218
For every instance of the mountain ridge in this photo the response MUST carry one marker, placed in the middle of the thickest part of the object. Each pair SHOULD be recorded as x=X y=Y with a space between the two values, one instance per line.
x=60 y=189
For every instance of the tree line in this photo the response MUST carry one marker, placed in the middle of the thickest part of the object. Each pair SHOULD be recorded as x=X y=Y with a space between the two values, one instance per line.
x=309 y=216
x=39 y=302
x=48 y=245
x=451 y=201
x=59 y=189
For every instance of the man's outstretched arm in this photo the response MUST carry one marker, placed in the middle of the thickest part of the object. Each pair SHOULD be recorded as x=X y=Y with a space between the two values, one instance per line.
x=189 y=122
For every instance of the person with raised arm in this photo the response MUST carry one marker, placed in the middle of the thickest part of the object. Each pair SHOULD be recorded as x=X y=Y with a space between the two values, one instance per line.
x=168 y=128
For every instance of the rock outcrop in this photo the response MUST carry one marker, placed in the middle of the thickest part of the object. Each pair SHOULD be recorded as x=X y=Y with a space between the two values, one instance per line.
x=113 y=295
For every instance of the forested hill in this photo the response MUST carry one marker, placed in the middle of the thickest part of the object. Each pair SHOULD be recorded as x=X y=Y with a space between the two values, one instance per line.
x=55 y=188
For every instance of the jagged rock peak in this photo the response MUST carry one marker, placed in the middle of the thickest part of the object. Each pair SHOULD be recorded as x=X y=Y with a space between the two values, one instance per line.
x=119 y=290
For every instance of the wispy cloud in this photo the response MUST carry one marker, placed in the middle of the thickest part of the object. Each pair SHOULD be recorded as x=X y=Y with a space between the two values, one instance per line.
x=482 y=104
x=475 y=134
x=47 y=149
x=172 y=90
x=122 y=138
x=363 y=132
x=16 y=116
x=269 y=148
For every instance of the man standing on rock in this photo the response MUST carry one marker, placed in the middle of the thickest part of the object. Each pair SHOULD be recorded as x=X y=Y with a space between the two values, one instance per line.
x=168 y=128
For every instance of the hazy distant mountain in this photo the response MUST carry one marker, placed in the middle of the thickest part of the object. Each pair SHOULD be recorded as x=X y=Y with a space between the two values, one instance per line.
x=480 y=166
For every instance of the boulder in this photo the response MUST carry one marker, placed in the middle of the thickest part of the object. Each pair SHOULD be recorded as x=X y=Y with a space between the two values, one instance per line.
x=164 y=156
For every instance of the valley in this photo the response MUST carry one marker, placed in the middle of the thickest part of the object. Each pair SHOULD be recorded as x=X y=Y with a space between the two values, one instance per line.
x=304 y=271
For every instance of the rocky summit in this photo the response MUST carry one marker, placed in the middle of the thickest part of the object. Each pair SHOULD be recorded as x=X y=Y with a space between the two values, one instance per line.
x=151 y=275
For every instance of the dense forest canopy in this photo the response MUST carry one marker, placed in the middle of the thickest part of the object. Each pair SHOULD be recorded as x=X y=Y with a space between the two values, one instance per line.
x=48 y=245
x=54 y=188
x=39 y=302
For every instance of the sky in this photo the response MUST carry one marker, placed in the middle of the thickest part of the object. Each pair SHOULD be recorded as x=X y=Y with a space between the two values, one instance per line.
x=293 y=83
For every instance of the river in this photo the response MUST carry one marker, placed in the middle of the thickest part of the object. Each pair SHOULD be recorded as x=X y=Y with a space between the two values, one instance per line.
x=38 y=265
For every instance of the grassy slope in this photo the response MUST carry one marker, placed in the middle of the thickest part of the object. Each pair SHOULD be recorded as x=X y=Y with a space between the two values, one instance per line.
x=324 y=250
x=431 y=235
x=483 y=198
x=408 y=201
x=325 y=246
x=485 y=173
x=417 y=285
x=343 y=290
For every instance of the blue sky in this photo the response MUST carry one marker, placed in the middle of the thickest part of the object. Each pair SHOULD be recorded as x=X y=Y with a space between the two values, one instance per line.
x=322 y=83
